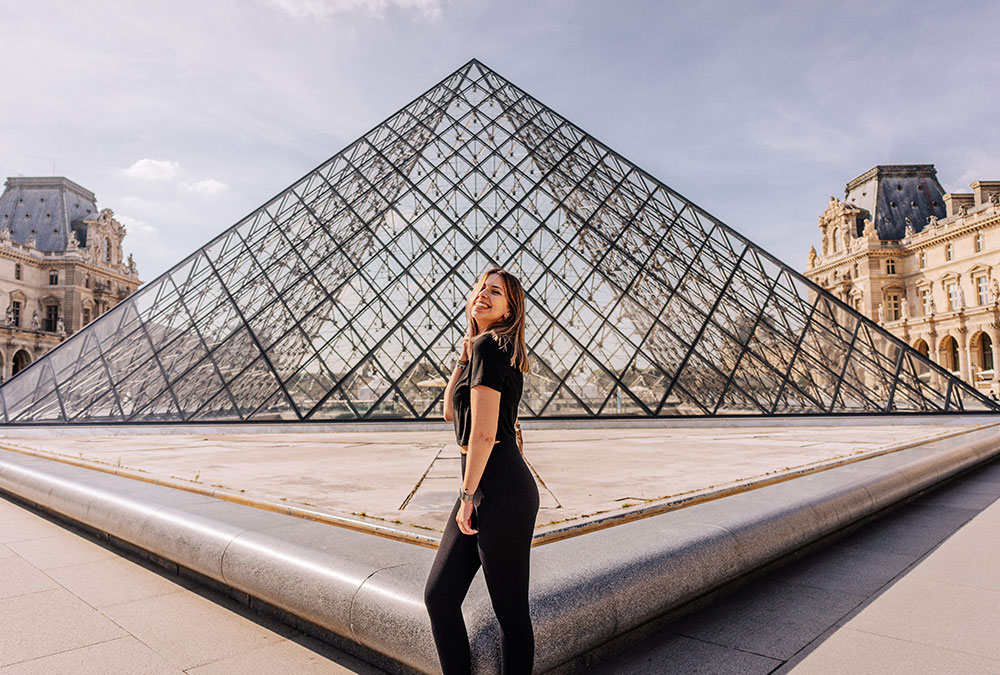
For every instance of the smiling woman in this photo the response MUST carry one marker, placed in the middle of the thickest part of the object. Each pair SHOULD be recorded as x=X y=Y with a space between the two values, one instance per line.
x=494 y=517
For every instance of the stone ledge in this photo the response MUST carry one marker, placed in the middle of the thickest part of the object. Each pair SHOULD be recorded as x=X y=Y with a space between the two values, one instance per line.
x=586 y=591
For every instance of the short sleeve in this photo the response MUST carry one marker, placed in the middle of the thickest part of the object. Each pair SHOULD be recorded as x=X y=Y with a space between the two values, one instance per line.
x=487 y=364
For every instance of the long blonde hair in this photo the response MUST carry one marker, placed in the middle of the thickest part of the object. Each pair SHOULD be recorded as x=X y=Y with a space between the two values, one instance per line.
x=509 y=331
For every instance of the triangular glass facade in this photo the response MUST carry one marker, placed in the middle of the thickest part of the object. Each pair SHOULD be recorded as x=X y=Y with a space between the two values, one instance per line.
x=342 y=297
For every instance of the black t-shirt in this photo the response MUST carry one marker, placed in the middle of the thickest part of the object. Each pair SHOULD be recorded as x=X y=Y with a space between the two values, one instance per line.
x=489 y=366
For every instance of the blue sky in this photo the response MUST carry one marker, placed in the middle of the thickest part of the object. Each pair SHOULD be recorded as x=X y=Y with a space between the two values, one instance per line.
x=184 y=116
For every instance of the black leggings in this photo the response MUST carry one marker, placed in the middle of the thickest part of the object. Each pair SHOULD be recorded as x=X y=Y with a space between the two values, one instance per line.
x=505 y=508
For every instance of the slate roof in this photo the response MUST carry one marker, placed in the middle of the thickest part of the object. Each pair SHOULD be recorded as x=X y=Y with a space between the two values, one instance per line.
x=46 y=208
x=895 y=196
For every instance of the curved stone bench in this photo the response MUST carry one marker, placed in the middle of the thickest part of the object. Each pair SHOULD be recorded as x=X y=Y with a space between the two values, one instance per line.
x=585 y=591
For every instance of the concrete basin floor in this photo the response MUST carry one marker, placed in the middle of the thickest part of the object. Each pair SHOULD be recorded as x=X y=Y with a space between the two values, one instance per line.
x=409 y=479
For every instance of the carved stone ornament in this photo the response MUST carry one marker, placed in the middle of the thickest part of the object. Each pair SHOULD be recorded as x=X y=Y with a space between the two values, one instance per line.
x=994 y=291
x=906 y=308
x=932 y=221
x=5 y=234
x=869 y=232
x=812 y=257
x=35 y=324
x=881 y=313
x=909 y=231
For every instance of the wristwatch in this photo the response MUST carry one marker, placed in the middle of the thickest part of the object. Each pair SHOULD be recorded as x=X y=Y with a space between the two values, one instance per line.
x=465 y=496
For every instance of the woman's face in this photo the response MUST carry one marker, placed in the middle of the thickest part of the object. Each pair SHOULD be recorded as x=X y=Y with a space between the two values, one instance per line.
x=490 y=304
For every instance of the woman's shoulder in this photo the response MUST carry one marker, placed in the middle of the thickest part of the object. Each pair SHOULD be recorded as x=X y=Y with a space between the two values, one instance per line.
x=487 y=346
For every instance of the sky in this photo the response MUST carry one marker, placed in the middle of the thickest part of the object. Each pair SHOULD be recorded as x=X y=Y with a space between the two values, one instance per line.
x=183 y=116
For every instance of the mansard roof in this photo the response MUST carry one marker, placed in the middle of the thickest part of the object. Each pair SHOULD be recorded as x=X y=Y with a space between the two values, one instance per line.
x=47 y=208
x=896 y=196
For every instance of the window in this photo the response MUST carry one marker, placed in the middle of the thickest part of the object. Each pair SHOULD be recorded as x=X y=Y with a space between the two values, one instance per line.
x=982 y=291
x=986 y=351
x=925 y=300
x=16 y=313
x=952 y=296
x=17 y=271
x=890 y=266
x=53 y=277
x=948 y=252
x=86 y=281
x=86 y=315
x=855 y=270
x=51 y=317
x=107 y=249
x=979 y=243
x=893 y=306
x=923 y=259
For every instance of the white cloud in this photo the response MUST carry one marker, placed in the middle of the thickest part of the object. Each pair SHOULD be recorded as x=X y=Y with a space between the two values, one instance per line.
x=323 y=8
x=154 y=170
x=209 y=186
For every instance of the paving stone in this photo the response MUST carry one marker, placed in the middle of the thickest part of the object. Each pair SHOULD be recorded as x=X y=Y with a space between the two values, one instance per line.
x=61 y=550
x=48 y=622
x=943 y=615
x=189 y=630
x=302 y=656
x=842 y=568
x=5 y=552
x=115 y=581
x=860 y=653
x=21 y=577
x=123 y=656
x=913 y=532
x=27 y=525
x=770 y=618
x=688 y=656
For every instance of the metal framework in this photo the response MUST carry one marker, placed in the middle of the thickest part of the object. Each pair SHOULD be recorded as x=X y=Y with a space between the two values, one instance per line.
x=342 y=298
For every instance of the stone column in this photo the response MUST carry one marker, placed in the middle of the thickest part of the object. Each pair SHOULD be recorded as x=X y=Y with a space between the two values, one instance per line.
x=965 y=363
x=995 y=335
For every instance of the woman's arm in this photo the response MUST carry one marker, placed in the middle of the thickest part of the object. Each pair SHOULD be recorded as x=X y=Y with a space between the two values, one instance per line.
x=485 y=406
x=449 y=410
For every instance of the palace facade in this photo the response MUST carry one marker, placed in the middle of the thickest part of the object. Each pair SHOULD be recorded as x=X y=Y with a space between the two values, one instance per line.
x=923 y=263
x=61 y=266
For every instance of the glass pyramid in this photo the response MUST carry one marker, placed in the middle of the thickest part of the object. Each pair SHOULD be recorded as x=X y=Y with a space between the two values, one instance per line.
x=342 y=297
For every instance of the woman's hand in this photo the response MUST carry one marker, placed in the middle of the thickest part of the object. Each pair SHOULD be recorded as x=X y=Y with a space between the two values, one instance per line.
x=464 y=518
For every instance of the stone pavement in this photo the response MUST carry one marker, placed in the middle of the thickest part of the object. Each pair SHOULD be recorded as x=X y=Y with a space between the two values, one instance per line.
x=915 y=592
x=71 y=606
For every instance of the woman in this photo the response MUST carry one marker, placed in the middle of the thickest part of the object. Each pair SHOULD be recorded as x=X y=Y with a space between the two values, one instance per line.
x=494 y=517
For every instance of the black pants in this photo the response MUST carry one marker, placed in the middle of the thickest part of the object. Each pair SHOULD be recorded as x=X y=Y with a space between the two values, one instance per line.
x=505 y=508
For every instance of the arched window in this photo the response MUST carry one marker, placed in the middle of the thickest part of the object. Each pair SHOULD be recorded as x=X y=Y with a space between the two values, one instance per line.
x=986 y=351
x=20 y=362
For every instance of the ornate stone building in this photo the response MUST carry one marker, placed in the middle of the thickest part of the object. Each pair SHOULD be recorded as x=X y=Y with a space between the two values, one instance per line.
x=61 y=265
x=923 y=263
